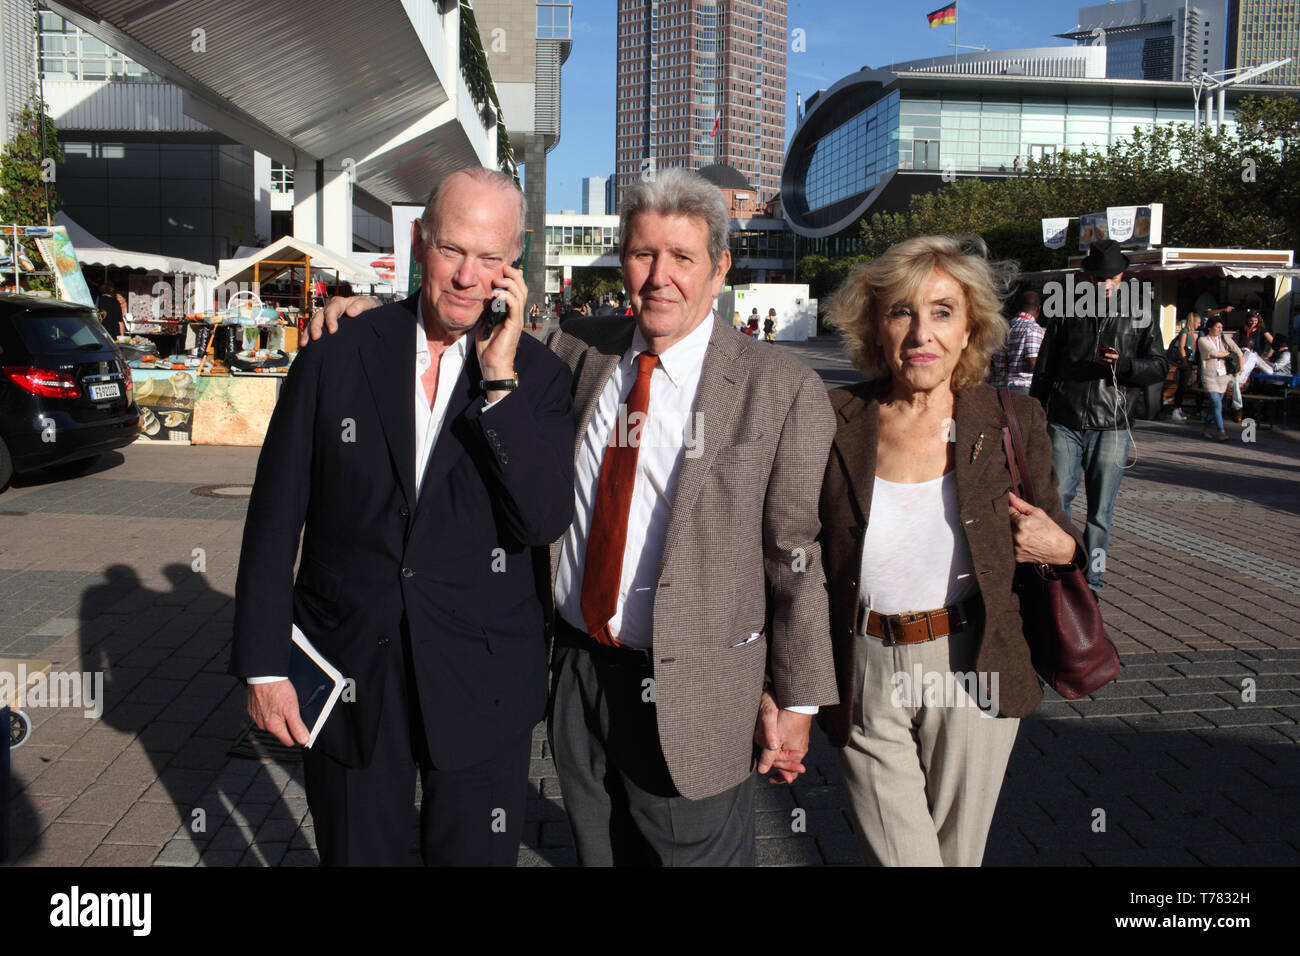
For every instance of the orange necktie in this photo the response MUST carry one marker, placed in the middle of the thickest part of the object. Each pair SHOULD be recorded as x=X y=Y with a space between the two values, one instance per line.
x=603 y=569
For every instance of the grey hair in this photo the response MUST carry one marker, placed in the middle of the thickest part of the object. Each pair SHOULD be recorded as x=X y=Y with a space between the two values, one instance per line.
x=678 y=192
x=479 y=174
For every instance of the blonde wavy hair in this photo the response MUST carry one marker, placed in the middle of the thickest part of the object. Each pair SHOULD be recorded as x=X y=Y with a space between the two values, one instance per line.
x=896 y=278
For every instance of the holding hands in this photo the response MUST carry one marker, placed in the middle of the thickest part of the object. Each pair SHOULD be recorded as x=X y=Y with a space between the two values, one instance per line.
x=782 y=737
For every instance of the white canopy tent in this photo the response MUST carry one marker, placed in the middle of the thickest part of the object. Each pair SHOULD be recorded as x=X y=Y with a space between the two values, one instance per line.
x=92 y=251
x=297 y=256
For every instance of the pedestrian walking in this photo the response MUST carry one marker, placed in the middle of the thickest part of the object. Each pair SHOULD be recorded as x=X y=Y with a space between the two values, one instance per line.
x=1087 y=365
x=1012 y=366
x=1215 y=351
x=906 y=525
x=1184 y=356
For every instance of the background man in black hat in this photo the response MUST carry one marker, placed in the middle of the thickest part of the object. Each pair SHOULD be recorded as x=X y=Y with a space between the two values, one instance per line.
x=1090 y=357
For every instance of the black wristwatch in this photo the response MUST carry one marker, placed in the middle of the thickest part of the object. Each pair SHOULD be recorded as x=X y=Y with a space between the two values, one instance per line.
x=500 y=384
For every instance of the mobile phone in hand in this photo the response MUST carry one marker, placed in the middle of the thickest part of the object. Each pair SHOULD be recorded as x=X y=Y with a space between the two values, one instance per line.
x=493 y=317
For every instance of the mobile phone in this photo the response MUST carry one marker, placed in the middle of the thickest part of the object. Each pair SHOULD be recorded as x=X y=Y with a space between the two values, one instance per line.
x=491 y=317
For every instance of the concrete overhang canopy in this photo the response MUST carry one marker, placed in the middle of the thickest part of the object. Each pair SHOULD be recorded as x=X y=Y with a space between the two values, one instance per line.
x=293 y=80
x=289 y=253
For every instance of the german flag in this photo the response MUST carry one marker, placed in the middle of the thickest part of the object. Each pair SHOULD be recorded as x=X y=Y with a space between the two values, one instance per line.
x=944 y=16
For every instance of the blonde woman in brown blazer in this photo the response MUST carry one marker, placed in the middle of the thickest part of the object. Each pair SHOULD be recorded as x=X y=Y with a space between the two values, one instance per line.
x=1214 y=347
x=920 y=537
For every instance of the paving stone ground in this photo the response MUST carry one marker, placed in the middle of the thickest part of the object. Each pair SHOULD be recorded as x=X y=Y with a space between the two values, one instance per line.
x=1189 y=758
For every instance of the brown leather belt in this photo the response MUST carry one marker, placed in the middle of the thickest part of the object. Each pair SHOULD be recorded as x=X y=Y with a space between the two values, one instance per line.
x=915 y=627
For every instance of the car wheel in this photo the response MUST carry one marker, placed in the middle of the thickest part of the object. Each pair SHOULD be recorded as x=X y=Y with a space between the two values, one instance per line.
x=20 y=728
x=71 y=469
x=6 y=465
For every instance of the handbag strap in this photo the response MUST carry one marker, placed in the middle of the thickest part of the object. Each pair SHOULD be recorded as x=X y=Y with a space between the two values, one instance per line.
x=1013 y=444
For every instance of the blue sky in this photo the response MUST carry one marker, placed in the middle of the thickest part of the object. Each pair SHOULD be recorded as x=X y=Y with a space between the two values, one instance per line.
x=842 y=36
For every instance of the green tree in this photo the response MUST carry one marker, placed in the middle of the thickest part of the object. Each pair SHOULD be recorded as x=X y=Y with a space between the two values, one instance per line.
x=823 y=276
x=27 y=177
x=595 y=281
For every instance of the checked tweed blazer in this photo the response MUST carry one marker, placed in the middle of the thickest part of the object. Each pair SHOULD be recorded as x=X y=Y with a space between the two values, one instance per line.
x=741 y=554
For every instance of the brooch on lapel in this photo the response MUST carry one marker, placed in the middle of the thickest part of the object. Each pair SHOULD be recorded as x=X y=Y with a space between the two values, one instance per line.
x=975 y=451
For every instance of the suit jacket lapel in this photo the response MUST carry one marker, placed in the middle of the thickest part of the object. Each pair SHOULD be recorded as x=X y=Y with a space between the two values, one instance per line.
x=597 y=366
x=388 y=362
x=855 y=441
x=722 y=379
x=451 y=446
x=977 y=413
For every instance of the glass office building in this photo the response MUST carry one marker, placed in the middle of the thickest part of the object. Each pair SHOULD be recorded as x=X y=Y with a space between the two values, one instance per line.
x=876 y=138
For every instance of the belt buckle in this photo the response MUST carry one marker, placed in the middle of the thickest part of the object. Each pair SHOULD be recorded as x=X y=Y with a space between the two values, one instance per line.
x=888 y=623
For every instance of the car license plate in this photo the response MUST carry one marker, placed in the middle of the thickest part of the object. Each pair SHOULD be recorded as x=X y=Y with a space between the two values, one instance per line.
x=99 y=393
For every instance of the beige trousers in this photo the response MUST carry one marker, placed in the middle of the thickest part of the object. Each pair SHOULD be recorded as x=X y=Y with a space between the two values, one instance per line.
x=924 y=763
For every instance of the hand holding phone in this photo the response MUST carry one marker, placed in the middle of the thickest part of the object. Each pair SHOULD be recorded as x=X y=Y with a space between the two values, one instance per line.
x=499 y=329
x=496 y=308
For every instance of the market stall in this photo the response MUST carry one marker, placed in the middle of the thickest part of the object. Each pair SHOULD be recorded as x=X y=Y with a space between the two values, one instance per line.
x=255 y=335
x=1181 y=280
x=303 y=265
x=201 y=396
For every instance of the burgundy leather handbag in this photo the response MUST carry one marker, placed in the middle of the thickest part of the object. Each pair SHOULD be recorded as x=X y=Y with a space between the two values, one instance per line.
x=1068 y=644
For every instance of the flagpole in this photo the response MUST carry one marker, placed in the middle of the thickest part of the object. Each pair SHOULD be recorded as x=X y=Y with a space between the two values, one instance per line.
x=955 y=48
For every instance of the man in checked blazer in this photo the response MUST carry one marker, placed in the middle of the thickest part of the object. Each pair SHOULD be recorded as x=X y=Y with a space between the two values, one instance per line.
x=653 y=720
x=691 y=575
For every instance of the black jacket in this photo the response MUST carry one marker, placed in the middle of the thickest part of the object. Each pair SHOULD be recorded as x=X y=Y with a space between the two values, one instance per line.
x=461 y=562
x=1077 y=390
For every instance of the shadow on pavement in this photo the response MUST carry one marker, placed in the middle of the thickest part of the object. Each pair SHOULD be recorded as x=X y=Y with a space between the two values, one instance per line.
x=1078 y=795
x=19 y=821
x=163 y=658
x=35 y=479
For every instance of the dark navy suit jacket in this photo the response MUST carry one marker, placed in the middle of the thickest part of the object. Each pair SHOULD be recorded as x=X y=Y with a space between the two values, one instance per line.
x=462 y=562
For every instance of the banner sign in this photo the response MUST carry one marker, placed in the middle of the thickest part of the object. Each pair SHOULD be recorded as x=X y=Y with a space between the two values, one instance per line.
x=56 y=250
x=1054 y=231
x=1127 y=225
x=406 y=270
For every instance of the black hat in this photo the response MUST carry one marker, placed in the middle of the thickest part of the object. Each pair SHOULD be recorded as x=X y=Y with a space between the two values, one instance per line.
x=1104 y=258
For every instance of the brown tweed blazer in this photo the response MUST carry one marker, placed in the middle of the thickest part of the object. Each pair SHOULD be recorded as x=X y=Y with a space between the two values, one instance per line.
x=982 y=489
x=741 y=554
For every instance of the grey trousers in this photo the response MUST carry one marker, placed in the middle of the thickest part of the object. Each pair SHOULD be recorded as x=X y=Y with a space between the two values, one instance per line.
x=618 y=794
x=924 y=764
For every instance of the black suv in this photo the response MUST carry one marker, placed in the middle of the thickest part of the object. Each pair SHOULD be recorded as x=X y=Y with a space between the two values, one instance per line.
x=65 y=392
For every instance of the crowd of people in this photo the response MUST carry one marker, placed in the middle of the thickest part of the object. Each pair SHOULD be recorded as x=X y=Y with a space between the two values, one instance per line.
x=476 y=559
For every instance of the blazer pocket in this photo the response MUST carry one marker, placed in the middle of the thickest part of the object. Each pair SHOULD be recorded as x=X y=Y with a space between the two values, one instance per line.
x=315 y=577
x=747 y=451
x=318 y=588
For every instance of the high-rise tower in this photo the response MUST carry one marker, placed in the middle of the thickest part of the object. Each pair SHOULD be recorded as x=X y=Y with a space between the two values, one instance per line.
x=701 y=82
x=1261 y=31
